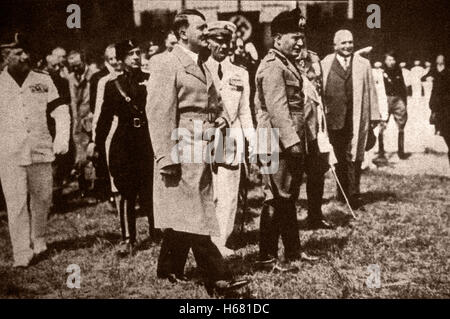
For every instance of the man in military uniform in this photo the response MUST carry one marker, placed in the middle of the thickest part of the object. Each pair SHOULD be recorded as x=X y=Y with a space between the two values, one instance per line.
x=182 y=98
x=131 y=154
x=280 y=93
x=232 y=82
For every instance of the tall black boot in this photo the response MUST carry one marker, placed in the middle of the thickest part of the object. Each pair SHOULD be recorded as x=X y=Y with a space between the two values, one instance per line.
x=314 y=191
x=401 y=146
x=269 y=231
x=381 y=152
x=289 y=229
x=381 y=159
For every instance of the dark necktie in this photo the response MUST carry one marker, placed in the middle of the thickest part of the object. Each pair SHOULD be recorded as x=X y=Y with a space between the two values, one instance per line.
x=346 y=63
x=200 y=64
x=219 y=72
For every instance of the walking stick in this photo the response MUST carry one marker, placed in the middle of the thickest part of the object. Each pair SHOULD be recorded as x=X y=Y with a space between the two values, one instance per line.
x=342 y=191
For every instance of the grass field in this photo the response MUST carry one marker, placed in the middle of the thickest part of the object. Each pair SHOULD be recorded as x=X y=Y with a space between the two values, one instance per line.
x=403 y=228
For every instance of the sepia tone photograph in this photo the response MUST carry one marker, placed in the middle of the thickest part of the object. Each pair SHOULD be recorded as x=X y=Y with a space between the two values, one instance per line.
x=238 y=149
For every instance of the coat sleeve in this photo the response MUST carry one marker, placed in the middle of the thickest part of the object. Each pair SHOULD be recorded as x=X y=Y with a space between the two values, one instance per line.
x=106 y=116
x=375 y=114
x=275 y=96
x=245 y=114
x=161 y=109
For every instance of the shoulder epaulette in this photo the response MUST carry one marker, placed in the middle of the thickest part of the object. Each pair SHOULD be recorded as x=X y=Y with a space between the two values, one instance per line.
x=239 y=65
x=40 y=71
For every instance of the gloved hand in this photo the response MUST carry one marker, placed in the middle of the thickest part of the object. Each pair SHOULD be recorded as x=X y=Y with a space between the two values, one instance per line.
x=60 y=146
x=92 y=150
x=171 y=175
x=221 y=123
x=295 y=150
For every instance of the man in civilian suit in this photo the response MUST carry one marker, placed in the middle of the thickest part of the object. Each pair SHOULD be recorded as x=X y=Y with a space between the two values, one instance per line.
x=351 y=110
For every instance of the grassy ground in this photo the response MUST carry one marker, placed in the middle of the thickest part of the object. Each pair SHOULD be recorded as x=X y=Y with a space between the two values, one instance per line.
x=403 y=227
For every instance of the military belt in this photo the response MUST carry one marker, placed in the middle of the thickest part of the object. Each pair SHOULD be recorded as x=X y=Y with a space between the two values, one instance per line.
x=197 y=113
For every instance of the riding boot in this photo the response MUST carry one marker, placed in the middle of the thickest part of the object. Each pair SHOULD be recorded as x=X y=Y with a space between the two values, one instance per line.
x=401 y=145
x=381 y=152
x=289 y=229
x=269 y=231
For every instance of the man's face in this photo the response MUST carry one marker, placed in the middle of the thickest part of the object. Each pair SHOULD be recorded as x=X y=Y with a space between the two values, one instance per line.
x=76 y=65
x=133 y=59
x=196 y=33
x=344 y=44
x=219 y=47
x=171 y=41
x=53 y=65
x=111 y=58
x=290 y=44
x=18 y=60
x=440 y=60
x=153 y=49
x=61 y=54
x=390 y=61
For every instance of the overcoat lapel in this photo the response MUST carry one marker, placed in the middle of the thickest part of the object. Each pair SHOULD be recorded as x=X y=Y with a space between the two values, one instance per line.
x=189 y=65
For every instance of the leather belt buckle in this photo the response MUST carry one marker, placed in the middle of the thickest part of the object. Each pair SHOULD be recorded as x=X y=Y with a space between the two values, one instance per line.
x=137 y=122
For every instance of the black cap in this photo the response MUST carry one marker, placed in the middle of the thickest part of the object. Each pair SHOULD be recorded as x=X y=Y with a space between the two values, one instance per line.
x=123 y=47
x=288 y=22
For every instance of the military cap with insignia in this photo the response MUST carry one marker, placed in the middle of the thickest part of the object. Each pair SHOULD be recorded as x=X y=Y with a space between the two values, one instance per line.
x=123 y=47
x=288 y=22
x=219 y=29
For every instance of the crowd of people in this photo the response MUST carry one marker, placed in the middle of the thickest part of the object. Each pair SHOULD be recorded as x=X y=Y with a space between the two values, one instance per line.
x=126 y=133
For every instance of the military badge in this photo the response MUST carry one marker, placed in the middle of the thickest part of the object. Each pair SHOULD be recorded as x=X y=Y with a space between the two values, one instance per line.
x=236 y=84
x=39 y=88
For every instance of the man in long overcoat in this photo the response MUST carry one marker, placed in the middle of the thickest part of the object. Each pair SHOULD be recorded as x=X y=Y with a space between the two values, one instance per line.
x=182 y=100
x=351 y=109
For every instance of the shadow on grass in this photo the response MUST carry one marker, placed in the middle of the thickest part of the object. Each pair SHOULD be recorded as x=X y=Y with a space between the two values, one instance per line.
x=71 y=202
x=83 y=242
x=379 y=196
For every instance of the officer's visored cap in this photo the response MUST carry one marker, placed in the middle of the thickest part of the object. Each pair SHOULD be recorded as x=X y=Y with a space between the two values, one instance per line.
x=221 y=29
x=20 y=41
x=123 y=47
x=288 y=22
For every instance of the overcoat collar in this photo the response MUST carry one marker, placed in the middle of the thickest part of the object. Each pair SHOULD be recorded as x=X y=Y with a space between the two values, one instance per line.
x=287 y=63
x=189 y=65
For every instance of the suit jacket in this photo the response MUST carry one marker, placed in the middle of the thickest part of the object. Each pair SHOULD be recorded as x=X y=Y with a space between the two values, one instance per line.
x=234 y=88
x=365 y=101
x=176 y=85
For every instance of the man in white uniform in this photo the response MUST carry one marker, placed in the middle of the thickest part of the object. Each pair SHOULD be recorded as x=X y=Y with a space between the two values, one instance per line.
x=415 y=76
x=28 y=150
x=232 y=82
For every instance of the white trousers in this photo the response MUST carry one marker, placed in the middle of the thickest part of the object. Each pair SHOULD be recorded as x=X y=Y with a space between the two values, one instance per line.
x=226 y=191
x=26 y=226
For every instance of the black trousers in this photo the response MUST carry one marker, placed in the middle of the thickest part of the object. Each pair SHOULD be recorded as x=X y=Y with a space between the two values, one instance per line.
x=348 y=171
x=174 y=251
x=136 y=187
